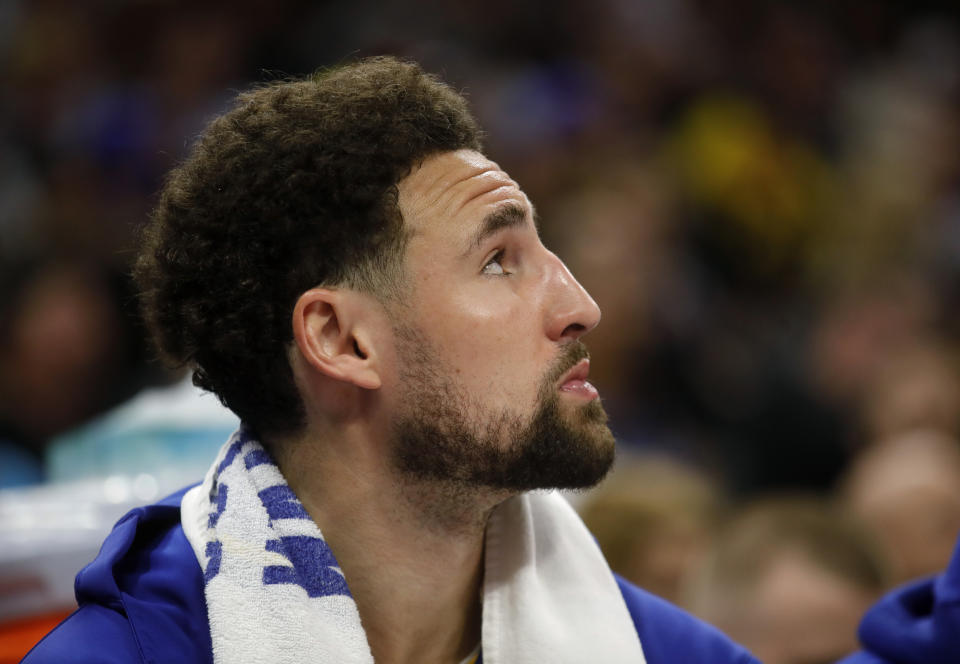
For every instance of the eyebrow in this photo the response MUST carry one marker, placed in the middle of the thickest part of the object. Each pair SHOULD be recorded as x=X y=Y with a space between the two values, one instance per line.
x=508 y=216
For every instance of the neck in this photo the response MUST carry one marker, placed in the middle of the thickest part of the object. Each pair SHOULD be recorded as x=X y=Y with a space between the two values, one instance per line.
x=412 y=552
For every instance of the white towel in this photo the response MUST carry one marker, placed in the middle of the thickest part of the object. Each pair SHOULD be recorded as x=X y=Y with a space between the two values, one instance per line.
x=276 y=595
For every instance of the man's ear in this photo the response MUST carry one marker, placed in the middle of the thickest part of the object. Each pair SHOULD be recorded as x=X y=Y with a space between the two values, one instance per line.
x=329 y=328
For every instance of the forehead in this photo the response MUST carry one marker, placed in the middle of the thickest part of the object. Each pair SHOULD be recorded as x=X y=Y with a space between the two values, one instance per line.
x=459 y=188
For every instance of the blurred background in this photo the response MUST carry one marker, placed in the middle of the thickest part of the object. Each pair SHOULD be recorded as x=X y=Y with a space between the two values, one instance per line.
x=763 y=197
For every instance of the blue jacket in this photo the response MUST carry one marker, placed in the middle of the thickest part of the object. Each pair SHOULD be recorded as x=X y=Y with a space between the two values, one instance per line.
x=916 y=624
x=142 y=600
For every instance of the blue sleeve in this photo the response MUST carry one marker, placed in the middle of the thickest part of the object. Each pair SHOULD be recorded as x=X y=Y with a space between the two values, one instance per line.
x=93 y=634
x=163 y=596
x=670 y=635
x=141 y=600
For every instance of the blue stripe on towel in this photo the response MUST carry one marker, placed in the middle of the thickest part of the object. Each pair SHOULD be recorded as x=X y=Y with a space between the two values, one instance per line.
x=313 y=566
x=214 y=552
x=232 y=453
x=256 y=458
x=282 y=503
x=221 y=503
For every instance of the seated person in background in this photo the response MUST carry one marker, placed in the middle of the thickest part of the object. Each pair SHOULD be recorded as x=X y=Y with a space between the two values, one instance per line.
x=350 y=274
x=789 y=579
x=906 y=489
x=62 y=354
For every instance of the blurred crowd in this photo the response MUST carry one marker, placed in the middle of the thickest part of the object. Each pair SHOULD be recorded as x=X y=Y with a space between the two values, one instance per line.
x=764 y=199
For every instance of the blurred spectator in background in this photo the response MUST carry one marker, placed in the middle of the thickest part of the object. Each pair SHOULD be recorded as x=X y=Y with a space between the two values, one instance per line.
x=915 y=388
x=654 y=519
x=790 y=579
x=61 y=345
x=907 y=490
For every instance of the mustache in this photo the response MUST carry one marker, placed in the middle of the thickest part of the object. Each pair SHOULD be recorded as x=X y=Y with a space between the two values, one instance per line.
x=569 y=356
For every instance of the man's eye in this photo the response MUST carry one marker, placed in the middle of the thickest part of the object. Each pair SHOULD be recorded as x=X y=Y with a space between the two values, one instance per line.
x=494 y=265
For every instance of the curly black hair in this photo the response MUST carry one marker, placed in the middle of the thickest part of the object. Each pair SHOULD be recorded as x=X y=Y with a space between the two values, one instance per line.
x=294 y=187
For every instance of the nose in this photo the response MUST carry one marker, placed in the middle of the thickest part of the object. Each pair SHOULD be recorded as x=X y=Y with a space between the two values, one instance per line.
x=570 y=311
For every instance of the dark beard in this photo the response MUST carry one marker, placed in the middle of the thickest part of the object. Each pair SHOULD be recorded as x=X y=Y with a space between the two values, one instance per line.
x=435 y=441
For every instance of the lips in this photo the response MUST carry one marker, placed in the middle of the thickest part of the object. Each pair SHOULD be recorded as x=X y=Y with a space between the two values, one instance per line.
x=575 y=381
x=578 y=371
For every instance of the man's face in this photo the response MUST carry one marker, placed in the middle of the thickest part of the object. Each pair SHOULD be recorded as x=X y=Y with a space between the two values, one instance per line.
x=491 y=376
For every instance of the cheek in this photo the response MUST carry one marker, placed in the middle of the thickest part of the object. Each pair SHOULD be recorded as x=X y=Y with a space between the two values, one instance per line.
x=493 y=352
x=482 y=352
x=484 y=318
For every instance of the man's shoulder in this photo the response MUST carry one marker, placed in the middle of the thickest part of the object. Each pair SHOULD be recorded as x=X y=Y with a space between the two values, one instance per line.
x=670 y=635
x=93 y=634
x=142 y=595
